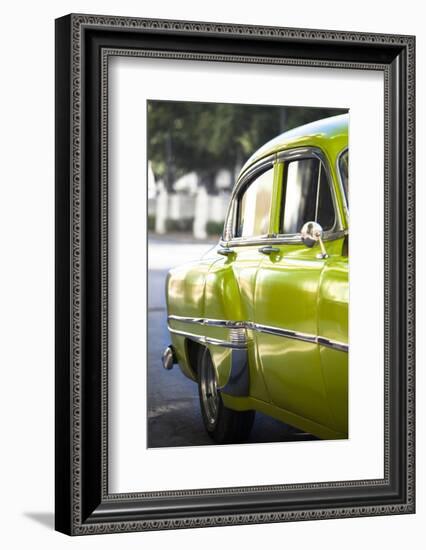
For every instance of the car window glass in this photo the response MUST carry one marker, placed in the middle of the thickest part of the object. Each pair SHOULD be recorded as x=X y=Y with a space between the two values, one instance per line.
x=306 y=196
x=325 y=209
x=254 y=206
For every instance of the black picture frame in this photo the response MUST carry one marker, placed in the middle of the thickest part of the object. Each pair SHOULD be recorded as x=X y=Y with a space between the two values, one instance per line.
x=83 y=45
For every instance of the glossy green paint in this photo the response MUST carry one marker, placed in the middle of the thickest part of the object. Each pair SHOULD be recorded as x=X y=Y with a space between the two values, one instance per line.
x=303 y=383
x=290 y=279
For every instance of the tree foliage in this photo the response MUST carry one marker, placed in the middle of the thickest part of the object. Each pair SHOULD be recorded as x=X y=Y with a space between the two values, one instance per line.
x=206 y=137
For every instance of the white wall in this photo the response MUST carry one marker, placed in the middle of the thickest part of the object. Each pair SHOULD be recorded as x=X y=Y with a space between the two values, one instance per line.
x=26 y=301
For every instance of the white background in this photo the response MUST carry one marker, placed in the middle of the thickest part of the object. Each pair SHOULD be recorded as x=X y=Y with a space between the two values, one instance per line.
x=132 y=81
x=26 y=219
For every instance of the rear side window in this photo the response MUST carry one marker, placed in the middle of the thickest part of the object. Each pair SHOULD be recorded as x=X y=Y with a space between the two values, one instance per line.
x=254 y=206
x=306 y=196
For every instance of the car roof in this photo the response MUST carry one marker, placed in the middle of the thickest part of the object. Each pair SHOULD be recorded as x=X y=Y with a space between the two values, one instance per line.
x=330 y=134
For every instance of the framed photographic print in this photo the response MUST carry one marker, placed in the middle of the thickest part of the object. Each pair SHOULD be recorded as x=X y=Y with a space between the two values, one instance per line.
x=225 y=352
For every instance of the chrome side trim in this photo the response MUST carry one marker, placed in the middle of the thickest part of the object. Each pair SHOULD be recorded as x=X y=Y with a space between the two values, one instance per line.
x=285 y=333
x=332 y=344
x=211 y=322
x=238 y=338
x=207 y=340
x=195 y=320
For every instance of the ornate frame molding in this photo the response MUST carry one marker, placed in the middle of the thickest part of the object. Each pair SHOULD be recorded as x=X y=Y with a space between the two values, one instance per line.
x=83 y=504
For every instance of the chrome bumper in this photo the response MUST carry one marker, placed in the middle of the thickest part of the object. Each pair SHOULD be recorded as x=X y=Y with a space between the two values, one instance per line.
x=168 y=358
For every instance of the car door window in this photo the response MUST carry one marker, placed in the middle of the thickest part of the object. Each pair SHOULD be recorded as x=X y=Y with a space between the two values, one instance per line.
x=306 y=196
x=254 y=206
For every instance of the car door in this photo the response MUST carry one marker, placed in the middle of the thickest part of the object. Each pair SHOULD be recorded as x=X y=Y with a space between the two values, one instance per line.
x=287 y=288
x=231 y=282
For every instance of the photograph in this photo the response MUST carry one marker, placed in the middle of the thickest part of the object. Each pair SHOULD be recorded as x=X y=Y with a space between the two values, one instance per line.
x=248 y=273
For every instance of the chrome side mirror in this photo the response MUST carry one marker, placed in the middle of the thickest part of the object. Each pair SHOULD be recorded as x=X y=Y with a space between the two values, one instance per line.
x=311 y=233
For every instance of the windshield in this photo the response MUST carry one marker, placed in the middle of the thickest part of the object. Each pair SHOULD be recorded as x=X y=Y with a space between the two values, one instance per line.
x=344 y=172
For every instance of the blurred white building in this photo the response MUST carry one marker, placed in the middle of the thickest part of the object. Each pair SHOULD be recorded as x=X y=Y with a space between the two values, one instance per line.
x=189 y=207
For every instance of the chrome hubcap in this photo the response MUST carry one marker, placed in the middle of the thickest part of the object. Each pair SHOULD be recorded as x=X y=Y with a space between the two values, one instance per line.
x=209 y=393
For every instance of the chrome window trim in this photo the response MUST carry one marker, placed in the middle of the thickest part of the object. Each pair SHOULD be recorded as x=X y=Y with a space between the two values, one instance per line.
x=258 y=166
x=295 y=153
x=231 y=214
x=243 y=185
x=314 y=152
x=318 y=193
x=236 y=340
x=341 y=186
x=280 y=239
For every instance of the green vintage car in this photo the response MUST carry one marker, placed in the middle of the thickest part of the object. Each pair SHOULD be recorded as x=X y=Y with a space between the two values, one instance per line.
x=260 y=322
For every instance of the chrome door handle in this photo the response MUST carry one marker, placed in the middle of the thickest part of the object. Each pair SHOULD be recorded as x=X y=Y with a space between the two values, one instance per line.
x=225 y=251
x=269 y=250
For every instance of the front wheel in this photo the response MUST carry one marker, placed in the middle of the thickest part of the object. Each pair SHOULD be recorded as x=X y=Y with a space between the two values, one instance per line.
x=222 y=424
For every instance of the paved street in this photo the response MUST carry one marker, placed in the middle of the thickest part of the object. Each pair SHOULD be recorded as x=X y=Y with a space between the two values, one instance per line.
x=174 y=417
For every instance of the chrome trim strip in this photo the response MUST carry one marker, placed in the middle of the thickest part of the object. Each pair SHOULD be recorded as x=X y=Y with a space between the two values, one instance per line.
x=211 y=322
x=285 y=333
x=237 y=338
x=294 y=238
x=195 y=320
x=341 y=186
x=316 y=152
x=238 y=335
x=259 y=165
x=207 y=340
x=339 y=346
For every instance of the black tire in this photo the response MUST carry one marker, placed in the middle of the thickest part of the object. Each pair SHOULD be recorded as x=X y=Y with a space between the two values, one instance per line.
x=222 y=424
